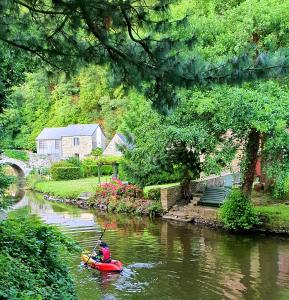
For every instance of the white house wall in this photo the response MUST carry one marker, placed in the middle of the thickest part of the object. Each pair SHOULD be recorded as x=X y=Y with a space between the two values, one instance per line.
x=49 y=148
x=100 y=138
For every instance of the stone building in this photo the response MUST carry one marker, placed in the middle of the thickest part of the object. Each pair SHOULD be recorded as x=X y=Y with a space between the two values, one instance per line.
x=71 y=141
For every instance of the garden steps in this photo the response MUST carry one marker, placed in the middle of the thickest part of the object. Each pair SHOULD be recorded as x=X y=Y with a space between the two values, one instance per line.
x=214 y=196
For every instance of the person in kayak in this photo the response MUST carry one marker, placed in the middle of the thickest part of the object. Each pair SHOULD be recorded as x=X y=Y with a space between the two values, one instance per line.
x=103 y=254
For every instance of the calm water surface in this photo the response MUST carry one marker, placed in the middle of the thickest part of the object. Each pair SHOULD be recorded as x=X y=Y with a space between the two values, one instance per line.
x=164 y=260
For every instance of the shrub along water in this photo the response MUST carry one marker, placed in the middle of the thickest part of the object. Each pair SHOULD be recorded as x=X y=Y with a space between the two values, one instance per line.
x=237 y=212
x=5 y=181
x=32 y=261
x=121 y=198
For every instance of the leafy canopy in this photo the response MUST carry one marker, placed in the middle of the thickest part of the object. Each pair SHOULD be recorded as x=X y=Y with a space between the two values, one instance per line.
x=164 y=43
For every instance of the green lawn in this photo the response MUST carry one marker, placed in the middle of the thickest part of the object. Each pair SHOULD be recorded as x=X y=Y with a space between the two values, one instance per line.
x=70 y=188
x=277 y=215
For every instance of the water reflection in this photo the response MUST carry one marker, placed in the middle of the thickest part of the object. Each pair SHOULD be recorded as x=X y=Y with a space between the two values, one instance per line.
x=165 y=260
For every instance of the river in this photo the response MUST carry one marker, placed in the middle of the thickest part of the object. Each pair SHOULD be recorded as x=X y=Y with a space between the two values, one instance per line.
x=164 y=260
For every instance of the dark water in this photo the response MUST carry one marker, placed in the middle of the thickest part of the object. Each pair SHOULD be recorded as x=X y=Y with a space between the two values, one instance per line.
x=166 y=260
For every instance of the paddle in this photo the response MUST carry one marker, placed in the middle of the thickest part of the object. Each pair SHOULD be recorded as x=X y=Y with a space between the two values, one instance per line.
x=103 y=232
x=97 y=243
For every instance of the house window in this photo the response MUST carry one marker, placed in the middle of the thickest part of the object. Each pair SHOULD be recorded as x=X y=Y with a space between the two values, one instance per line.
x=76 y=141
x=57 y=144
x=42 y=144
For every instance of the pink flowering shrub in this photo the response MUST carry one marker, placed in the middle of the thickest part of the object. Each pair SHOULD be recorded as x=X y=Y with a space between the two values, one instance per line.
x=121 y=198
x=118 y=189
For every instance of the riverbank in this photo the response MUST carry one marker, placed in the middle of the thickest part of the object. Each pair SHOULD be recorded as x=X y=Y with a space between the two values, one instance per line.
x=85 y=193
x=274 y=218
x=113 y=196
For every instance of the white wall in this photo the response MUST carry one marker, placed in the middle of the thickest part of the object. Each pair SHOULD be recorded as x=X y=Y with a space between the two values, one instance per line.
x=49 y=148
x=100 y=138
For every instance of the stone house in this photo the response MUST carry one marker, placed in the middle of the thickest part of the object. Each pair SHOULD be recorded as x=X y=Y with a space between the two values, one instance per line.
x=71 y=141
x=112 y=148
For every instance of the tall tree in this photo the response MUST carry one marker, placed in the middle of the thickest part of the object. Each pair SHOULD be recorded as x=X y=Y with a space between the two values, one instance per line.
x=144 y=41
x=253 y=111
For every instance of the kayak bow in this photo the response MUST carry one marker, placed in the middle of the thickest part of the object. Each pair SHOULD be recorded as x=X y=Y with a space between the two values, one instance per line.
x=113 y=266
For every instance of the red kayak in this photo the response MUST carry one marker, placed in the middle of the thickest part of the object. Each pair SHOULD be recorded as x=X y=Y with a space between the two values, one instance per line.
x=113 y=266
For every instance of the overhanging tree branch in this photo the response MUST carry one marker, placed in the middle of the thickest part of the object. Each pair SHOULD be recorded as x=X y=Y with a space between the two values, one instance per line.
x=46 y=12
x=33 y=51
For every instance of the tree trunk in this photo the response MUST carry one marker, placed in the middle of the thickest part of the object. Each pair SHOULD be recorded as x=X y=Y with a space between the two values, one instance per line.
x=251 y=153
x=186 y=186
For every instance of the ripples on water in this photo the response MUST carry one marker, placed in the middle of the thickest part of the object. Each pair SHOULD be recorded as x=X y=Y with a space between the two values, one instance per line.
x=170 y=261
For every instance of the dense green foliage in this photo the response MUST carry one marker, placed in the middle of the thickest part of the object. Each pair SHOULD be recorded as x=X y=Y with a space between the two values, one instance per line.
x=12 y=74
x=169 y=149
x=145 y=163
x=280 y=186
x=32 y=261
x=5 y=181
x=237 y=212
x=164 y=43
x=17 y=154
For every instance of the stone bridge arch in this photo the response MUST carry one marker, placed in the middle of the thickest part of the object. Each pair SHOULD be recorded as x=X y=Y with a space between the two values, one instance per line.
x=22 y=169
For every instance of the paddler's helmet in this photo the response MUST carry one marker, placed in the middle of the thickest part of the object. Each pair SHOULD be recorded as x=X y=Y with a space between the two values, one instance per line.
x=103 y=244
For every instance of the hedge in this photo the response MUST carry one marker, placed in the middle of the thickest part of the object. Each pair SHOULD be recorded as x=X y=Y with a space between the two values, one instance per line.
x=92 y=170
x=66 y=173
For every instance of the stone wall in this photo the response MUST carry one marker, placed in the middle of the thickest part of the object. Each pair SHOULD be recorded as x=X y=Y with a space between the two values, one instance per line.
x=169 y=196
x=37 y=161
x=83 y=149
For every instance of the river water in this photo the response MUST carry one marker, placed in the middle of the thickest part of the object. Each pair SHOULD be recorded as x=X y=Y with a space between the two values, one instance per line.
x=164 y=260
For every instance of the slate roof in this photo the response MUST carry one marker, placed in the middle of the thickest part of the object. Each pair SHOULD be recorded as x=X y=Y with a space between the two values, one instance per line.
x=122 y=137
x=71 y=130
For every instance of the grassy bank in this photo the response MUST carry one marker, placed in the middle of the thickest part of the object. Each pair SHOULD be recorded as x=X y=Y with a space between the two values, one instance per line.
x=69 y=188
x=275 y=216
x=16 y=154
